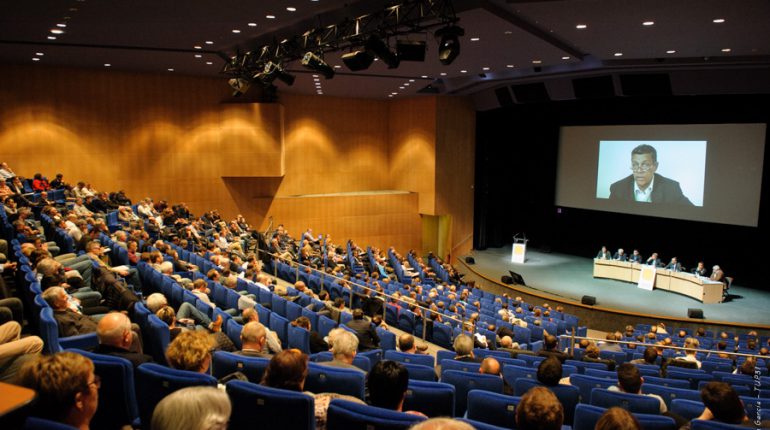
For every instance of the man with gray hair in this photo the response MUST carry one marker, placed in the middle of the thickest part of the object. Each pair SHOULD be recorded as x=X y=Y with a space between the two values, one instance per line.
x=344 y=346
x=117 y=338
x=70 y=323
x=253 y=339
x=463 y=346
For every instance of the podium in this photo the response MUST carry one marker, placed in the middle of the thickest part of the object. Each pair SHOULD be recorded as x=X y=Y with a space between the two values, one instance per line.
x=519 y=251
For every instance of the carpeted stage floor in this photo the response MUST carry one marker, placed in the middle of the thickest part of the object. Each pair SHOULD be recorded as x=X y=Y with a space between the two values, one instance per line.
x=568 y=278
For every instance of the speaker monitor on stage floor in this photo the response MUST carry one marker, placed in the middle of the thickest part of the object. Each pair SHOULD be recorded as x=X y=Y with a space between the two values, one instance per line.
x=517 y=279
x=694 y=313
x=470 y=260
x=506 y=280
x=588 y=300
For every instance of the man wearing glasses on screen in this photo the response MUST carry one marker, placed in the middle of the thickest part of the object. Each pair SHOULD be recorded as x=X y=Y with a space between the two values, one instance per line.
x=644 y=185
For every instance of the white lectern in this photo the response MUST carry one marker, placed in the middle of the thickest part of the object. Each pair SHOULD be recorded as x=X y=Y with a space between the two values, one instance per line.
x=519 y=251
x=647 y=277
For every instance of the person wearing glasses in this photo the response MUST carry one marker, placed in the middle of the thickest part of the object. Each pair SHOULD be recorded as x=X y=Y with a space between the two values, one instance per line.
x=67 y=388
x=644 y=185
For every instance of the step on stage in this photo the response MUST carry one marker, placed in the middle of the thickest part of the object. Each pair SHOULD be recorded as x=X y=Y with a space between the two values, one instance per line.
x=568 y=278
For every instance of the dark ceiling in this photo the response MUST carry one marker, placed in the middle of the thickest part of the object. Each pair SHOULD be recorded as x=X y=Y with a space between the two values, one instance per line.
x=505 y=41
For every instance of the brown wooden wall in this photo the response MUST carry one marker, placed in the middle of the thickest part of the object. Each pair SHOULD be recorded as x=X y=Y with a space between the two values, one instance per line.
x=172 y=137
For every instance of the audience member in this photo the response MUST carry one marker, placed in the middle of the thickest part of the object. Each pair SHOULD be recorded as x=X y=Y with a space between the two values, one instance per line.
x=344 y=346
x=490 y=366
x=387 y=383
x=617 y=419
x=117 y=339
x=463 y=346
x=630 y=381
x=193 y=408
x=539 y=409
x=723 y=404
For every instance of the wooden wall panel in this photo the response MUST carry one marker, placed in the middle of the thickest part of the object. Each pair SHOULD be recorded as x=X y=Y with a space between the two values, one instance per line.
x=455 y=155
x=412 y=142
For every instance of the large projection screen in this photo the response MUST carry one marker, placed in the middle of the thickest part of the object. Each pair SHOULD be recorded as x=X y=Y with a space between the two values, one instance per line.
x=699 y=172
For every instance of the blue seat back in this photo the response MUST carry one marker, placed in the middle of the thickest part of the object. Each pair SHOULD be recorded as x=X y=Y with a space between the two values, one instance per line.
x=233 y=330
x=667 y=382
x=327 y=379
x=637 y=403
x=512 y=373
x=586 y=417
x=225 y=363
x=404 y=357
x=587 y=383
x=387 y=339
x=420 y=372
x=688 y=409
x=464 y=382
x=325 y=325
x=154 y=382
x=434 y=399
x=293 y=311
x=299 y=338
x=35 y=423
x=669 y=394
x=272 y=408
x=156 y=339
x=280 y=326
x=347 y=415
x=493 y=408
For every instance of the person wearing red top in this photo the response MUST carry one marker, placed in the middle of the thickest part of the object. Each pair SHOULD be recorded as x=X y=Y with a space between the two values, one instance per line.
x=39 y=183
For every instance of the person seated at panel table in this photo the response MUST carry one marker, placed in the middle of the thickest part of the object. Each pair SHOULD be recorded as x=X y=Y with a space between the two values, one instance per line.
x=654 y=260
x=604 y=254
x=636 y=257
x=701 y=270
x=644 y=184
x=620 y=255
x=674 y=265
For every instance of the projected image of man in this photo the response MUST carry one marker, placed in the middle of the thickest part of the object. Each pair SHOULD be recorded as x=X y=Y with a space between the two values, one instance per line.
x=644 y=185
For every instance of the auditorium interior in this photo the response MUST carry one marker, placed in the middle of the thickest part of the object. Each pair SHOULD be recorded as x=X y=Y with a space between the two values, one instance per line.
x=384 y=156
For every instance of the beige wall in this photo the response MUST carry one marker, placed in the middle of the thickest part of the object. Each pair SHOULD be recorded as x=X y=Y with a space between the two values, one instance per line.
x=173 y=138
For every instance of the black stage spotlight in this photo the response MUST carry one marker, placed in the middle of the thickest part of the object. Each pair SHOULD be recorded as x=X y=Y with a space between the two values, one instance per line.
x=376 y=46
x=449 y=44
x=316 y=63
x=411 y=50
x=358 y=60
x=239 y=85
x=273 y=71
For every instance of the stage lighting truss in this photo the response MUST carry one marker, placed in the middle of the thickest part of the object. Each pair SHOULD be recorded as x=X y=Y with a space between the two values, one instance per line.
x=364 y=37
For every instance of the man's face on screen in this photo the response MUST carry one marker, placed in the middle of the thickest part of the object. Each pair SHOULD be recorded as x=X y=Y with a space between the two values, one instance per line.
x=644 y=169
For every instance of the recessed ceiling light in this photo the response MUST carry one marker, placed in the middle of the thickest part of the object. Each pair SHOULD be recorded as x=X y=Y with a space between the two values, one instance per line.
x=406 y=84
x=581 y=26
x=390 y=95
x=170 y=70
x=51 y=37
x=61 y=25
x=671 y=51
x=291 y=9
x=209 y=42
x=565 y=57
x=618 y=54
x=198 y=55
x=252 y=24
x=718 y=20
x=198 y=47
x=648 y=23
x=270 y=16
x=726 y=50
x=107 y=65
x=35 y=59
x=537 y=61
x=507 y=32
x=394 y=93
x=236 y=31
x=57 y=31
x=485 y=68
x=443 y=73
x=475 y=39
x=39 y=54
x=424 y=76
x=411 y=80
x=337 y=66
x=463 y=71
x=510 y=66
x=208 y=63
x=401 y=88
x=315 y=76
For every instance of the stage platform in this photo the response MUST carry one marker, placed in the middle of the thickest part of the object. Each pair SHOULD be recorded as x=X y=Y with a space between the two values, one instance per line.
x=568 y=278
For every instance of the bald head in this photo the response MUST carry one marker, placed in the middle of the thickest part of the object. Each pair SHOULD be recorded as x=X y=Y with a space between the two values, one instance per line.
x=253 y=336
x=114 y=329
x=490 y=366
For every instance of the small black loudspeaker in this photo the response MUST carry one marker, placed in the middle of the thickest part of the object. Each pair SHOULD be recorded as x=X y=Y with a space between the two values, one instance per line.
x=506 y=280
x=517 y=279
x=588 y=300
x=470 y=260
x=694 y=313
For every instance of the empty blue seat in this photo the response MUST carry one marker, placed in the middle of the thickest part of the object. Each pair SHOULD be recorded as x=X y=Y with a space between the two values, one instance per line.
x=328 y=379
x=404 y=357
x=233 y=330
x=299 y=338
x=694 y=377
x=387 y=339
x=280 y=326
x=464 y=382
x=225 y=363
x=463 y=366
x=587 y=383
x=374 y=356
x=434 y=399
x=492 y=408
x=154 y=382
x=325 y=325
x=156 y=338
x=669 y=394
x=512 y=373
x=636 y=403
x=442 y=335
x=420 y=372
x=270 y=408
x=345 y=415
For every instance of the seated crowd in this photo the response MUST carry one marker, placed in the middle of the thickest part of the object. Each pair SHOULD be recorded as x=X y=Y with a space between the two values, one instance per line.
x=89 y=290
